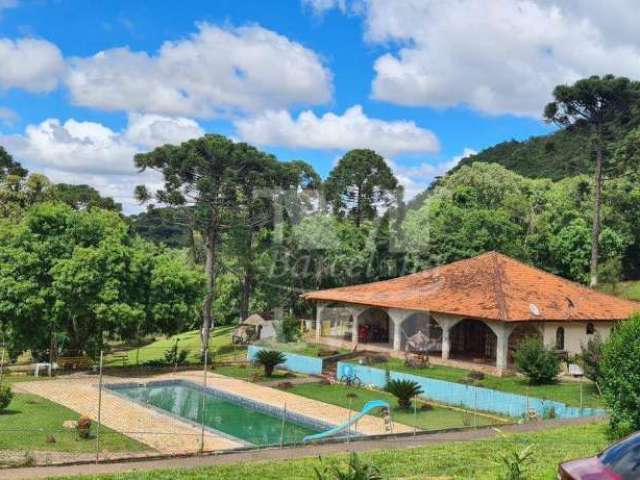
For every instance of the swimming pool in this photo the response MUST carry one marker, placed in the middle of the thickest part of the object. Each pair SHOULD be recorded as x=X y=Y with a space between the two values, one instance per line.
x=254 y=423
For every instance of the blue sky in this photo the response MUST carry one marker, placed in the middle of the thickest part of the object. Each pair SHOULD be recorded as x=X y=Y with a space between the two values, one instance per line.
x=85 y=85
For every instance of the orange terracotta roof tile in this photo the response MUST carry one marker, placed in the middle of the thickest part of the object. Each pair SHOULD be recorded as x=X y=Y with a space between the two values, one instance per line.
x=490 y=286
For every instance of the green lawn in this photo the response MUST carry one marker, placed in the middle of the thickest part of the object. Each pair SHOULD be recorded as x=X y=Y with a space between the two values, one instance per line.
x=566 y=392
x=301 y=348
x=436 y=419
x=249 y=373
x=629 y=290
x=220 y=348
x=29 y=419
x=478 y=460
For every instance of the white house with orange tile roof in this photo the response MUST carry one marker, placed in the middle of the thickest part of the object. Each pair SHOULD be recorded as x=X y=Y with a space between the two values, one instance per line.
x=476 y=310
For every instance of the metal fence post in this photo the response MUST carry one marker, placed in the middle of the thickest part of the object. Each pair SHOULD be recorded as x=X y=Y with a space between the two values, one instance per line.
x=2 y=359
x=349 y=423
x=475 y=407
x=203 y=403
x=99 y=409
x=284 y=417
x=581 y=399
x=415 y=415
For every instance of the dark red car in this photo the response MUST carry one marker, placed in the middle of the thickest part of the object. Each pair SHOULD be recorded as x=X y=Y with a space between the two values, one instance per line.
x=621 y=461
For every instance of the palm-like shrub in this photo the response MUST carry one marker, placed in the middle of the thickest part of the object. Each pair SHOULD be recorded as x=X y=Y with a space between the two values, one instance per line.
x=356 y=470
x=269 y=359
x=404 y=391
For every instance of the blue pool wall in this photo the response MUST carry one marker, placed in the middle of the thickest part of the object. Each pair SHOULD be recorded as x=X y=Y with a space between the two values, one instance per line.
x=468 y=396
x=294 y=363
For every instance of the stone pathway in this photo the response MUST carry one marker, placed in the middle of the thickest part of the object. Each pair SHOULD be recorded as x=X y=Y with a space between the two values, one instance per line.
x=161 y=432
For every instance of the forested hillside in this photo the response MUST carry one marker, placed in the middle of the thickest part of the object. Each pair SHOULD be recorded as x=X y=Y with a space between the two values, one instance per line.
x=555 y=156
x=564 y=153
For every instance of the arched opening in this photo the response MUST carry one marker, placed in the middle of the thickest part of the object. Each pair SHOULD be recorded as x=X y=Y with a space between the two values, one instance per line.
x=425 y=323
x=590 y=329
x=560 y=338
x=473 y=340
x=374 y=327
x=521 y=333
x=336 y=322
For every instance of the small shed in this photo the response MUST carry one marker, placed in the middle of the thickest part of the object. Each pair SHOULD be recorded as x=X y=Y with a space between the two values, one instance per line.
x=255 y=327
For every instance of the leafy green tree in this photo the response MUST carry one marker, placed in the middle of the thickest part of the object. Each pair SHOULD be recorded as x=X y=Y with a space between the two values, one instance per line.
x=82 y=197
x=288 y=329
x=266 y=202
x=68 y=278
x=18 y=193
x=620 y=374
x=10 y=167
x=6 y=395
x=594 y=104
x=571 y=248
x=169 y=226
x=361 y=185
x=590 y=359
x=211 y=174
x=478 y=208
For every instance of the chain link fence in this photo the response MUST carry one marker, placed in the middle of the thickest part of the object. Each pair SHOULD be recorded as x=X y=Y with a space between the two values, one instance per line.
x=173 y=400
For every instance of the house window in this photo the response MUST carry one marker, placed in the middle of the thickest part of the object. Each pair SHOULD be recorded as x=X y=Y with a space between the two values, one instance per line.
x=590 y=329
x=560 y=338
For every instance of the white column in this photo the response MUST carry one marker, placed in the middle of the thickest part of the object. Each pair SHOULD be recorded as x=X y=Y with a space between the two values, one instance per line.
x=319 y=311
x=446 y=343
x=502 y=349
x=356 y=311
x=354 y=330
x=502 y=331
x=397 y=336
x=446 y=323
x=397 y=318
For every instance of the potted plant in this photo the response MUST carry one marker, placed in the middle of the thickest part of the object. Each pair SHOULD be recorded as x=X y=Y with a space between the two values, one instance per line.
x=84 y=427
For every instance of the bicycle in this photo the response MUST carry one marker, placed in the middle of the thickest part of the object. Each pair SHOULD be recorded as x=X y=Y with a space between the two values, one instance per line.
x=351 y=380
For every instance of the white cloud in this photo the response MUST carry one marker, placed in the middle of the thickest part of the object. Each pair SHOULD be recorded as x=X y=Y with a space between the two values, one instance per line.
x=30 y=64
x=353 y=129
x=153 y=130
x=88 y=152
x=501 y=56
x=216 y=70
x=321 y=6
x=6 y=4
x=8 y=116
x=118 y=187
x=416 y=179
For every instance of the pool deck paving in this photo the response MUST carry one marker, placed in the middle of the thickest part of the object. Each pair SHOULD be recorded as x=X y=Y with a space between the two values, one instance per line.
x=161 y=432
x=168 y=434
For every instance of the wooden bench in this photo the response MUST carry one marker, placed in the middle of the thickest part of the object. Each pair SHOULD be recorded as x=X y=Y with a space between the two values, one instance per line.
x=122 y=357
